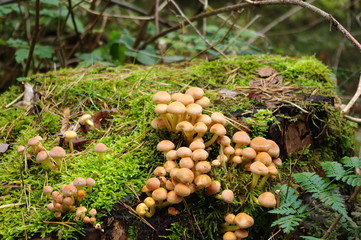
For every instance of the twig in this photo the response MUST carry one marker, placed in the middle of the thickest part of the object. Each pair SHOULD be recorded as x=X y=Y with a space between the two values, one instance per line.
x=195 y=29
x=140 y=18
x=353 y=99
x=353 y=119
x=34 y=38
x=70 y=8
x=338 y=218
x=143 y=26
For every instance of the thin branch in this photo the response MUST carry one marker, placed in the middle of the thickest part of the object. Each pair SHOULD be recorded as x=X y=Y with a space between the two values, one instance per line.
x=353 y=99
x=34 y=38
x=144 y=25
x=70 y=8
x=195 y=29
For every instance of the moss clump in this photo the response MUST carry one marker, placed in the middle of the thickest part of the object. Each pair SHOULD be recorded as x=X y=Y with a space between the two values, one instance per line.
x=128 y=135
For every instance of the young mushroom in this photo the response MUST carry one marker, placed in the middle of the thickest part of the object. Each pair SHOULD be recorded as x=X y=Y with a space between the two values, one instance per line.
x=70 y=135
x=86 y=119
x=57 y=153
x=100 y=148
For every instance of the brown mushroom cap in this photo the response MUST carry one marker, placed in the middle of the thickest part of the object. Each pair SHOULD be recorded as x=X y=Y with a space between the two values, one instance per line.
x=218 y=129
x=171 y=155
x=79 y=182
x=241 y=138
x=243 y=220
x=205 y=119
x=195 y=92
x=158 y=123
x=229 y=218
x=224 y=140
x=33 y=141
x=197 y=145
x=199 y=155
x=213 y=188
x=90 y=181
x=227 y=195
x=194 y=109
x=84 y=118
x=21 y=148
x=202 y=180
x=186 y=99
x=259 y=168
x=264 y=158
x=70 y=134
x=248 y=154
x=228 y=150
x=184 y=152
x=173 y=197
x=57 y=152
x=152 y=183
x=229 y=236
x=42 y=156
x=161 y=97
x=159 y=194
x=69 y=190
x=241 y=233
x=218 y=117
x=149 y=201
x=203 y=101
x=169 y=165
x=176 y=108
x=184 y=126
x=176 y=96
x=141 y=209
x=160 y=171
x=203 y=167
x=200 y=128
x=184 y=175
x=260 y=144
x=274 y=150
x=186 y=162
x=165 y=146
x=182 y=189
x=100 y=148
x=267 y=199
x=47 y=189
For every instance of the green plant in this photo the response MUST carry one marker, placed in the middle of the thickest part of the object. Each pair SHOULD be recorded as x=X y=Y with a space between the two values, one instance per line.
x=323 y=190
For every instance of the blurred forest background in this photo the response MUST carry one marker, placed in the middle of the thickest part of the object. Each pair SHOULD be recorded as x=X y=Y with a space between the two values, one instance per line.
x=42 y=35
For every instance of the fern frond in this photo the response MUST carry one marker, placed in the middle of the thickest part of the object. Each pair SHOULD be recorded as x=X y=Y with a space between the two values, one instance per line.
x=322 y=190
x=353 y=162
x=333 y=169
x=353 y=180
x=288 y=223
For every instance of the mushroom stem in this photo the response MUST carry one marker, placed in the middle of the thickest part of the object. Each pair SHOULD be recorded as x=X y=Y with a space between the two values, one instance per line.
x=229 y=227
x=58 y=162
x=255 y=178
x=263 y=180
x=71 y=145
x=49 y=164
x=211 y=141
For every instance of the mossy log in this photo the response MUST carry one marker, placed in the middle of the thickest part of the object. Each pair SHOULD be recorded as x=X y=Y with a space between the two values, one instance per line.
x=290 y=100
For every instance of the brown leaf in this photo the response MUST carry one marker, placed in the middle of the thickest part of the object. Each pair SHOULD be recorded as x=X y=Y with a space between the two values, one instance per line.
x=99 y=118
x=4 y=147
x=265 y=71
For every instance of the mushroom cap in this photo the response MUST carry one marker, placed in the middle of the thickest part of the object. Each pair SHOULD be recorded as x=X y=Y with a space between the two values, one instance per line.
x=241 y=137
x=259 y=168
x=165 y=146
x=81 y=193
x=194 y=109
x=171 y=155
x=176 y=96
x=42 y=156
x=161 y=97
x=169 y=185
x=149 y=201
x=260 y=144
x=197 y=145
x=218 y=117
x=218 y=129
x=228 y=150
x=274 y=150
x=100 y=148
x=68 y=201
x=227 y=195
x=84 y=118
x=195 y=92
x=267 y=199
x=152 y=183
x=199 y=155
x=70 y=134
x=173 y=197
x=243 y=220
x=272 y=169
x=159 y=171
x=200 y=127
x=69 y=190
x=186 y=162
x=277 y=162
x=169 y=165
x=224 y=140
x=159 y=194
x=182 y=189
x=184 y=126
x=161 y=108
x=248 y=153
x=203 y=167
x=264 y=158
x=47 y=189
x=184 y=152
x=241 y=233
x=158 y=123
x=33 y=141
x=21 y=148
x=57 y=152
x=229 y=218
x=213 y=188
x=229 y=236
x=79 y=182
x=176 y=108
x=203 y=101
x=202 y=180
x=90 y=181
x=205 y=119
x=141 y=209
x=186 y=99
x=185 y=175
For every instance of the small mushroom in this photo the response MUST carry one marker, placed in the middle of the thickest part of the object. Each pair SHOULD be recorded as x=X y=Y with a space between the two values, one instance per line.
x=100 y=148
x=267 y=199
x=70 y=135
x=86 y=119
x=57 y=153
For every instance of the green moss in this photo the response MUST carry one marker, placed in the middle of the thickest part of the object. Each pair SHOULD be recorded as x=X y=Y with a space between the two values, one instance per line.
x=132 y=143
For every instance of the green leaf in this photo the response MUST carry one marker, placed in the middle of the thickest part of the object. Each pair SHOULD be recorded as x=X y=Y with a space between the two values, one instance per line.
x=43 y=51
x=21 y=54
x=333 y=169
x=8 y=8
x=117 y=52
x=288 y=223
x=353 y=162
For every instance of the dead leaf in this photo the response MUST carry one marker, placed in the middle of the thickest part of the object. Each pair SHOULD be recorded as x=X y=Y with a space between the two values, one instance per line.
x=4 y=147
x=99 y=118
x=265 y=71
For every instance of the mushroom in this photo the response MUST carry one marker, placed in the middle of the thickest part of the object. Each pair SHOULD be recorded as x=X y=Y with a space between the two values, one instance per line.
x=227 y=195
x=272 y=171
x=187 y=129
x=260 y=144
x=193 y=110
x=150 y=202
x=161 y=97
x=86 y=119
x=70 y=135
x=47 y=191
x=43 y=157
x=80 y=212
x=90 y=182
x=195 y=92
x=203 y=101
x=217 y=130
x=57 y=153
x=177 y=111
x=213 y=188
x=202 y=180
x=100 y=148
x=274 y=150
x=158 y=123
x=267 y=199
x=165 y=146
x=79 y=182
x=229 y=236
x=241 y=138
x=257 y=169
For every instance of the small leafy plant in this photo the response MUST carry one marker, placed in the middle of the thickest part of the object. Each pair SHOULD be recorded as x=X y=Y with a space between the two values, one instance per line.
x=323 y=191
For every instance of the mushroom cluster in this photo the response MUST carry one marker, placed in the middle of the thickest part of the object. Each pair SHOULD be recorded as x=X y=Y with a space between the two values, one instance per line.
x=187 y=168
x=69 y=198
x=236 y=225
